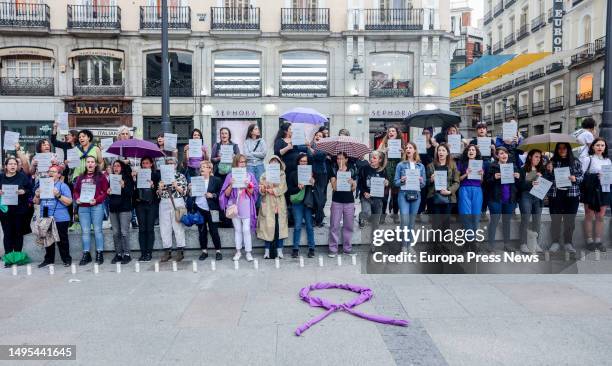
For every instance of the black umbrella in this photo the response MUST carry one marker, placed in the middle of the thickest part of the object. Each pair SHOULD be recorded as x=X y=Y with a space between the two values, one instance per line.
x=433 y=118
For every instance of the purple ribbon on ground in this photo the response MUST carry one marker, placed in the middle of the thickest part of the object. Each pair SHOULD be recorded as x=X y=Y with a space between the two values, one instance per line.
x=365 y=294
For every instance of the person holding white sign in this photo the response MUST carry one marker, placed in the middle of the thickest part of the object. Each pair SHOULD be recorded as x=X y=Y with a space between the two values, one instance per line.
x=392 y=192
x=563 y=202
x=283 y=147
x=86 y=148
x=44 y=158
x=120 y=207
x=510 y=142
x=405 y=178
x=192 y=159
x=371 y=191
x=426 y=157
x=502 y=198
x=486 y=144
x=239 y=205
x=90 y=192
x=530 y=205
x=147 y=209
x=595 y=193
x=471 y=174
x=302 y=203
x=255 y=150
x=272 y=219
x=57 y=207
x=222 y=162
x=208 y=207
x=14 y=220
x=69 y=141
x=342 y=208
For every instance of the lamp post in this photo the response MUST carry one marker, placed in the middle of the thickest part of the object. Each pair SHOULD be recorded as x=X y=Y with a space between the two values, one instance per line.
x=165 y=71
x=605 y=129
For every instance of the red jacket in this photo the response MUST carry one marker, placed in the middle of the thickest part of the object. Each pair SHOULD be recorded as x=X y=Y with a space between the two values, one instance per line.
x=101 y=183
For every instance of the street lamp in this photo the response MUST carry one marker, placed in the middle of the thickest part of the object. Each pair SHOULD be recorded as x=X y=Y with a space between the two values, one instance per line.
x=356 y=69
x=165 y=71
x=605 y=129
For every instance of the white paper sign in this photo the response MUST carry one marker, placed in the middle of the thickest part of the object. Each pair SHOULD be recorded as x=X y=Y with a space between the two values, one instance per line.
x=440 y=180
x=62 y=123
x=197 y=187
x=74 y=157
x=46 y=186
x=421 y=144
x=167 y=173
x=509 y=130
x=562 y=177
x=44 y=161
x=170 y=140
x=239 y=176
x=273 y=173
x=454 y=143
x=115 y=184
x=298 y=134
x=88 y=192
x=9 y=196
x=413 y=183
x=195 y=148
x=507 y=173
x=304 y=174
x=342 y=182
x=377 y=187
x=227 y=153
x=143 y=178
x=394 y=149
x=59 y=155
x=475 y=167
x=540 y=190
x=10 y=139
x=484 y=145
x=606 y=175
x=104 y=145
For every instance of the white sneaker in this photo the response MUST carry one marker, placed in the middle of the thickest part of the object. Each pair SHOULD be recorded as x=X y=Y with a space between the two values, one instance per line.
x=554 y=247
x=569 y=248
x=237 y=256
x=525 y=248
x=266 y=253
x=331 y=255
x=249 y=257
x=280 y=253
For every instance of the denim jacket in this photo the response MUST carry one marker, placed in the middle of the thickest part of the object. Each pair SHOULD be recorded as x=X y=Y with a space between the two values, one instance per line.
x=399 y=170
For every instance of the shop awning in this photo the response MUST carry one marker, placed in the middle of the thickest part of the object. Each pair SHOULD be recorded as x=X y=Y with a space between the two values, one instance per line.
x=26 y=51
x=100 y=52
x=481 y=66
x=508 y=67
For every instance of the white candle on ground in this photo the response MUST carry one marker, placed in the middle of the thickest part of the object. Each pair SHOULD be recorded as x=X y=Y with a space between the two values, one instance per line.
x=339 y=259
x=213 y=265
x=174 y=266
x=256 y=264
x=277 y=263
x=118 y=267
x=96 y=268
x=320 y=261
x=51 y=269
x=194 y=266
x=29 y=269
x=156 y=266
x=136 y=267
x=236 y=265
x=301 y=261
x=14 y=268
x=354 y=259
x=73 y=268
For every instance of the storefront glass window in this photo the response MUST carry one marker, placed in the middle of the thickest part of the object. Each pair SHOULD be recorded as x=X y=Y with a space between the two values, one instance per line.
x=391 y=75
x=236 y=74
x=304 y=74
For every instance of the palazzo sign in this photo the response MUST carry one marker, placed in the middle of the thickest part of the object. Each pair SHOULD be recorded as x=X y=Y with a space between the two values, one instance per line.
x=557 y=26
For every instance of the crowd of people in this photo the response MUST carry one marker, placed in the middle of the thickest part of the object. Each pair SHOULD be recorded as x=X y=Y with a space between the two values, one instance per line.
x=273 y=195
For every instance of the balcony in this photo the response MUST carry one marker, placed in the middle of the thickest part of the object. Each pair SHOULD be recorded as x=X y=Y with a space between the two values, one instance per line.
x=391 y=88
x=586 y=97
x=498 y=9
x=488 y=17
x=538 y=22
x=178 y=88
x=587 y=54
x=99 y=87
x=521 y=80
x=509 y=112
x=94 y=18
x=459 y=54
x=394 y=19
x=536 y=74
x=497 y=48
x=523 y=111
x=496 y=90
x=498 y=117
x=509 y=40
x=522 y=32
x=477 y=50
x=537 y=108
x=235 y=19
x=236 y=88
x=179 y=18
x=508 y=85
x=554 y=67
x=600 y=46
x=25 y=16
x=555 y=104
x=508 y=3
x=27 y=86
x=305 y=19
x=486 y=118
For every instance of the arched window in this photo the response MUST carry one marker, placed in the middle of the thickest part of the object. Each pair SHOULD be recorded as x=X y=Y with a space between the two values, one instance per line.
x=584 y=89
x=304 y=74
x=236 y=74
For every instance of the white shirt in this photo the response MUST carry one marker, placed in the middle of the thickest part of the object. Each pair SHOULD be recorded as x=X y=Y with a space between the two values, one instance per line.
x=585 y=138
x=595 y=168
x=201 y=202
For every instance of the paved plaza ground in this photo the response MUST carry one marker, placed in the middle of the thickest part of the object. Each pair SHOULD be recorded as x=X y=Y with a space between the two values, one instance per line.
x=248 y=316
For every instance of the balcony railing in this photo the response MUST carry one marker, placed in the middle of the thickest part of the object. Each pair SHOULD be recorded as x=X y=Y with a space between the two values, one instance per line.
x=509 y=40
x=586 y=54
x=486 y=118
x=27 y=86
x=178 y=88
x=537 y=108
x=508 y=85
x=459 y=53
x=522 y=32
x=538 y=22
x=94 y=17
x=498 y=9
x=488 y=17
x=555 y=104
x=585 y=97
x=523 y=111
x=179 y=17
x=24 y=15
x=391 y=88
x=393 y=19
x=305 y=19
x=509 y=112
x=97 y=87
x=536 y=74
x=485 y=94
x=303 y=88
x=236 y=88
x=234 y=18
x=499 y=116
x=497 y=48
x=554 y=67
x=521 y=80
x=507 y=3
x=496 y=90
x=600 y=45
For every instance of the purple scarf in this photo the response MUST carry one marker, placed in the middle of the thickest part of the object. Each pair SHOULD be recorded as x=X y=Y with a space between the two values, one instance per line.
x=227 y=201
x=365 y=294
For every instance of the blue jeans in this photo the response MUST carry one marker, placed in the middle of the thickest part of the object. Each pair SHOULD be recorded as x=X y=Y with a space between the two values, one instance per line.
x=470 y=206
x=505 y=210
x=88 y=216
x=302 y=213
x=408 y=211
x=279 y=244
x=531 y=208
x=257 y=171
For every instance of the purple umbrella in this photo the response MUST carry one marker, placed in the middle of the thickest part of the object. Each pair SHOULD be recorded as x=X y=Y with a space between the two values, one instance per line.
x=304 y=115
x=135 y=148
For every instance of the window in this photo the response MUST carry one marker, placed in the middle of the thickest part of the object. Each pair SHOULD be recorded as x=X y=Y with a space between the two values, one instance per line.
x=556 y=89
x=523 y=99
x=538 y=95
x=304 y=73
x=488 y=109
x=511 y=25
x=236 y=73
x=523 y=19
x=180 y=74
x=391 y=74
x=305 y=3
x=586 y=29
x=96 y=70
x=395 y=4
x=585 y=84
x=25 y=68
x=236 y=3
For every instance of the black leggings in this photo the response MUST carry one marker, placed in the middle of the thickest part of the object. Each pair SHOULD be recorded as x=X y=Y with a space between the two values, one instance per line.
x=63 y=244
x=13 y=225
x=203 y=230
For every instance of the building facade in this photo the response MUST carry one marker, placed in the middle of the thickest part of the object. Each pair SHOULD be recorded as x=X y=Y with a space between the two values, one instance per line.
x=364 y=64
x=470 y=45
